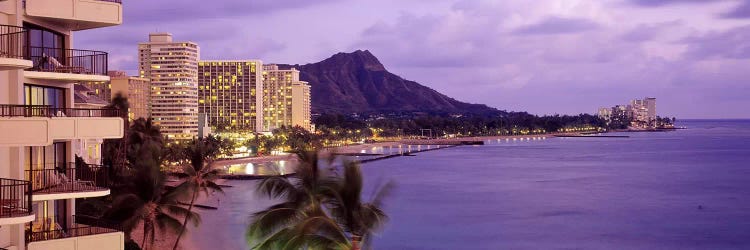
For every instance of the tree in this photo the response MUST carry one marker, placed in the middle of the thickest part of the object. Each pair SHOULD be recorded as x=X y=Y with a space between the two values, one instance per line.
x=147 y=200
x=199 y=175
x=299 y=220
x=359 y=219
x=319 y=209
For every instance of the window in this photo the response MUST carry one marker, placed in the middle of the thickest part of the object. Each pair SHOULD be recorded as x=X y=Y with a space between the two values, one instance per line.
x=42 y=95
x=41 y=41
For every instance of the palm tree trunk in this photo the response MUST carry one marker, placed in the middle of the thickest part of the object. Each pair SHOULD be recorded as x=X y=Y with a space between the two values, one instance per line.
x=184 y=222
x=356 y=239
x=143 y=243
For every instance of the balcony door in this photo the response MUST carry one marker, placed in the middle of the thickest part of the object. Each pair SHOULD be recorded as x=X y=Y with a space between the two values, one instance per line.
x=42 y=162
x=44 y=42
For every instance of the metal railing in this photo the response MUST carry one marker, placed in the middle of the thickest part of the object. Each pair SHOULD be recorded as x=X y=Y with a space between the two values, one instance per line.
x=82 y=226
x=112 y=1
x=49 y=111
x=67 y=178
x=15 y=198
x=60 y=60
x=12 y=40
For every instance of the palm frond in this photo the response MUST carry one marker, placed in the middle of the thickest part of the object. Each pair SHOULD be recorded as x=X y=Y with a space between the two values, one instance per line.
x=277 y=187
x=271 y=220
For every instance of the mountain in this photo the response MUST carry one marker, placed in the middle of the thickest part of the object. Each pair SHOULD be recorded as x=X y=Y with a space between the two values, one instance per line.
x=357 y=82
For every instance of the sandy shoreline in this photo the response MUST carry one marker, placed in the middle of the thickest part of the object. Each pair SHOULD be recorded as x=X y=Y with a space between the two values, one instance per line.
x=359 y=147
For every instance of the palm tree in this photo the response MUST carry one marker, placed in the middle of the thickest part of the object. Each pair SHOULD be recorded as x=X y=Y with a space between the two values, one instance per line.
x=199 y=175
x=358 y=219
x=146 y=200
x=300 y=219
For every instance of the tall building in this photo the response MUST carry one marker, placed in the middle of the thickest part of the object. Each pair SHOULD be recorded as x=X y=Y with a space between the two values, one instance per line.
x=40 y=124
x=230 y=94
x=301 y=105
x=279 y=103
x=136 y=89
x=650 y=104
x=644 y=110
x=172 y=68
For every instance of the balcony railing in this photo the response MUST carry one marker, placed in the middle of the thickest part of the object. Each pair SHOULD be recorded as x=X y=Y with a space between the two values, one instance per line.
x=74 y=61
x=12 y=40
x=15 y=198
x=67 y=178
x=112 y=1
x=10 y=110
x=82 y=226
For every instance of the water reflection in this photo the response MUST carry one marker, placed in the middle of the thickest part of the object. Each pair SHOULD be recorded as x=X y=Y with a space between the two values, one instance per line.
x=258 y=169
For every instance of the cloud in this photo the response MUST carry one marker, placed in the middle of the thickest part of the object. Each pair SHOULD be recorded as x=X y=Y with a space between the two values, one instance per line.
x=658 y=3
x=650 y=31
x=161 y=11
x=741 y=11
x=730 y=44
x=601 y=55
x=558 y=25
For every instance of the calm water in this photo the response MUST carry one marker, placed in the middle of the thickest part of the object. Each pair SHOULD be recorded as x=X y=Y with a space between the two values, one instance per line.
x=687 y=189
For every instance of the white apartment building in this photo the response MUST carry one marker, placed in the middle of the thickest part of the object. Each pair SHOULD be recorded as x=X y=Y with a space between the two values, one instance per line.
x=39 y=124
x=172 y=68
x=286 y=99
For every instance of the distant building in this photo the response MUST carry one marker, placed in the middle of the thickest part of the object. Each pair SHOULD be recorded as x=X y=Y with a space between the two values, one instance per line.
x=230 y=94
x=88 y=149
x=172 y=68
x=650 y=104
x=99 y=89
x=638 y=114
x=136 y=89
x=605 y=113
x=301 y=105
x=279 y=102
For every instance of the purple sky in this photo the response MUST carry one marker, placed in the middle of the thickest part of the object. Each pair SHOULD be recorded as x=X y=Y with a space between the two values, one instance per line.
x=541 y=56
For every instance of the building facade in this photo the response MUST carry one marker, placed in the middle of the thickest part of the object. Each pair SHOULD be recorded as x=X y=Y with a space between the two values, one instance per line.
x=40 y=179
x=172 y=68
x=301 y=105
x=136 y=89
x=279 y=102
x=230 y=95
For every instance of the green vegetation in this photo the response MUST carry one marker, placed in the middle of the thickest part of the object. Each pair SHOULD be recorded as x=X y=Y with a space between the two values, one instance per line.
x=140 y=195
x=341 y=127
x=318 y=209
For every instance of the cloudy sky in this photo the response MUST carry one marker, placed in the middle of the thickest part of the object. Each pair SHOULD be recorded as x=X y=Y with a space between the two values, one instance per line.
x=541 y=56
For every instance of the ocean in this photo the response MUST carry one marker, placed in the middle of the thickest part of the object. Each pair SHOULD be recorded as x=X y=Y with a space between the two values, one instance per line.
x=684 y=189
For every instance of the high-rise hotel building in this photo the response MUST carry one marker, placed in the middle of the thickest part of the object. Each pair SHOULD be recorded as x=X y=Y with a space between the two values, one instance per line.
x=172 y=68
x=39 y=122
x=286 y=99
x=231 y=94
x=136 y=89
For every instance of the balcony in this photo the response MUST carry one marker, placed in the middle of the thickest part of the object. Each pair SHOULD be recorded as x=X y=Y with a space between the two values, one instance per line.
x=72 y=65
x=12 y=51
x=15 y=202
x=39 y=125
x=68 y=180
x=77 y=14
x=86 y=233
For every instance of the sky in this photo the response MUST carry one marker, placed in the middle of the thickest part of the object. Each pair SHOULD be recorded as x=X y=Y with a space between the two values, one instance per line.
x=540 y=56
